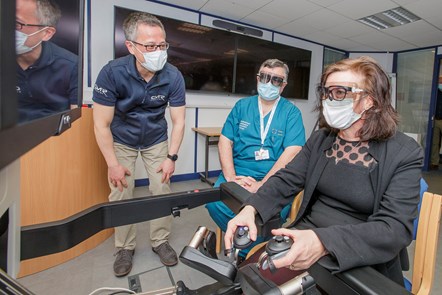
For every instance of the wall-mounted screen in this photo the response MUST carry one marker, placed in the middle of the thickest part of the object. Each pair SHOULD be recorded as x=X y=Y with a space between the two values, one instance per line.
x=221 y=61
x=47 y=46
x=48 y=63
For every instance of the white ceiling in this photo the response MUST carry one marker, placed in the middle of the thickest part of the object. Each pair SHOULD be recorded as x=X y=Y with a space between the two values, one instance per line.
x=332 y=22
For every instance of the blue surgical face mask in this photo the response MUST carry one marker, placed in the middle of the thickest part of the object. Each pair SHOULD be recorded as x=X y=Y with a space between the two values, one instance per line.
x=268 y=91
x=20 y=39
x=440 y=87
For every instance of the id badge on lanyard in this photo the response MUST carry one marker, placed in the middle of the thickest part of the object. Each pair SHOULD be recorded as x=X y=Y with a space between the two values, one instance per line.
x=262 y=153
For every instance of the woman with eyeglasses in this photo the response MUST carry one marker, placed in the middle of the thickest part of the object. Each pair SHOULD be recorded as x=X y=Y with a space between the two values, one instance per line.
x=360 y=177
x=262 y=134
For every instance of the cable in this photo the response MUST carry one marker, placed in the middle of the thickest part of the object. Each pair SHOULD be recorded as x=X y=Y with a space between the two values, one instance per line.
x=99 y=290
x=120 y=292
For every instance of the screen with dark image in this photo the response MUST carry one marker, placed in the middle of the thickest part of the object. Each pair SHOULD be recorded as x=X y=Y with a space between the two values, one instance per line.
x=206 y=57
x=68 y=29
x=47 y=72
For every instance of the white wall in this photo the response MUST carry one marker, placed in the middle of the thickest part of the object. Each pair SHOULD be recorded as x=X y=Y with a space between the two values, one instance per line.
x=212 y=109
x=384 y=59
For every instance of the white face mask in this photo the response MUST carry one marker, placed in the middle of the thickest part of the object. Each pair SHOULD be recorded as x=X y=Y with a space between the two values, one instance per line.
x=153 y=61
x=340 y=114
x=20 y=39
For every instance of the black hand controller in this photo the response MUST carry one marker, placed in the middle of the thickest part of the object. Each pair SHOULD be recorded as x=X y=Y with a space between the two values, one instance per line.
x=241 y=238
x=276 y=248
x=278 y=244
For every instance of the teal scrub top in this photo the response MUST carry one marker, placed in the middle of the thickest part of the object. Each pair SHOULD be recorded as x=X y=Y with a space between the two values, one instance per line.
x=242 y=127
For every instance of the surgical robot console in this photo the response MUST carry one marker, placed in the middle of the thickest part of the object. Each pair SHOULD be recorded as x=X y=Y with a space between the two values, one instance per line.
x=247 y=277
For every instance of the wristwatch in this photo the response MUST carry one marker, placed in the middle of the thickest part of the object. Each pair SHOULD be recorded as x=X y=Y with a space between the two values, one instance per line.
x=173 y=157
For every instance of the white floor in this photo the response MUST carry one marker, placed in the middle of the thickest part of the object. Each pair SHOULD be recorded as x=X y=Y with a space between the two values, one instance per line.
x=93 y=270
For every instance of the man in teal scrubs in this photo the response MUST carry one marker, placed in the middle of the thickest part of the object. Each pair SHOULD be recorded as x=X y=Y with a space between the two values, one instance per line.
x=261 y=135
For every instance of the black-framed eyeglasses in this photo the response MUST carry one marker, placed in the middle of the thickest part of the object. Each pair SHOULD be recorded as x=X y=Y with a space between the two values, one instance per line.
x=153 y=47
x=19 y=25
x=336 y=92
x=265 y=78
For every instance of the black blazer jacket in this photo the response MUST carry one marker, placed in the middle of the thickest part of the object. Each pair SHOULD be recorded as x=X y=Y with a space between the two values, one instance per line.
x=396 y=185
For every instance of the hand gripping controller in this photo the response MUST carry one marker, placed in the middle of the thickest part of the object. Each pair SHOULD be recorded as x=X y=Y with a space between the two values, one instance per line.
x=241 y=238
x=276 y=248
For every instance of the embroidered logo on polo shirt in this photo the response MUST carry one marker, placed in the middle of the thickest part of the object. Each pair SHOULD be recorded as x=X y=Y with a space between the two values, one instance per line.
x=100 y=90
x=18 y=89
x=158 y=97
x=243 y=124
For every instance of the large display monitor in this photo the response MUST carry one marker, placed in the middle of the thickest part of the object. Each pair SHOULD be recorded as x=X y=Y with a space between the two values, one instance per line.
x=221 y=61
x=19 y=134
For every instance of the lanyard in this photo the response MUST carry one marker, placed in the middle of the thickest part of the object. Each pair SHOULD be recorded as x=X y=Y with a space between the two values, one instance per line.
x=265 y=130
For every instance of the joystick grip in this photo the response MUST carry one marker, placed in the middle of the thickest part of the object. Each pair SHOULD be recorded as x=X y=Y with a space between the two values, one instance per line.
x=278 y=244
x=241 y=239
x=276 y=248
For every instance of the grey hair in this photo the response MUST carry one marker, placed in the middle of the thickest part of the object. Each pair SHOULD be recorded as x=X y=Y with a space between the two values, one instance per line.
x=130 y=24
x=276 y=63
x=48 y=12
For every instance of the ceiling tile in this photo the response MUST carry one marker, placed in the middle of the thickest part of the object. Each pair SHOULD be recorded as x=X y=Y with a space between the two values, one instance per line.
x=349 y=29
x=325 y=3
x=411 y=30
x=255 y=4
x=321 y=37
x=296 y=28
x=289 y=9
x=436 y=21
x=425 y=8
x=227 y=9
x=324 y=18
x=345 y=43
x=321 y=19
x=419 y=33
x=264 y=20
x=356 y=9
x=381 y=41
x=404 y=2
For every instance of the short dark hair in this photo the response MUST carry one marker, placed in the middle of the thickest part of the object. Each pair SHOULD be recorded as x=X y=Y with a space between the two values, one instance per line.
x=130 y=24
x=275 y=63
x=381 y=119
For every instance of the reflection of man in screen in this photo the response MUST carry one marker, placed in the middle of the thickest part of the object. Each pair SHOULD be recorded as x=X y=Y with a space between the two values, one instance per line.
x=47 y=74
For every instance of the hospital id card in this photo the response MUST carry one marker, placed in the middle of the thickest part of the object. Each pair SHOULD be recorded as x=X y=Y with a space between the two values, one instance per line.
x=262 y=154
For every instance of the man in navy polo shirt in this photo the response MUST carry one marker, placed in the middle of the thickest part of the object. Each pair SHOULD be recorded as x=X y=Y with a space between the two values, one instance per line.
x=47 y=74
x=130 y=99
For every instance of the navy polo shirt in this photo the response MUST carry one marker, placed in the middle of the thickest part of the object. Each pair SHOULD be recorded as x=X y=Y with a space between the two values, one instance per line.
x=140 y=106
x=50 y=85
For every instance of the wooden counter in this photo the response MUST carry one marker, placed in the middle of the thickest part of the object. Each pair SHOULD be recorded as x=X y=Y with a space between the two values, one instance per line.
x=60 y=177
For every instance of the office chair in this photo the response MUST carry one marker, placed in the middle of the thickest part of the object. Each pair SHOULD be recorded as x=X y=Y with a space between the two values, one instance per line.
x=424 y=262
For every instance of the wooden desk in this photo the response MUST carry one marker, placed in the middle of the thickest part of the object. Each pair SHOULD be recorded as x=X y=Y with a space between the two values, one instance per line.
x=211 y=135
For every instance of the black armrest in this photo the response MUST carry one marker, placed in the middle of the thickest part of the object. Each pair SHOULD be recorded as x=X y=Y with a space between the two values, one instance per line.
x=363 y=280
x=234 y=196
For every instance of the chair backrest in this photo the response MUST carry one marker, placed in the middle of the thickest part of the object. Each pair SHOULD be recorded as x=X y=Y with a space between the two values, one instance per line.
x=424 y=262
x=296 y=205
x=424 y=188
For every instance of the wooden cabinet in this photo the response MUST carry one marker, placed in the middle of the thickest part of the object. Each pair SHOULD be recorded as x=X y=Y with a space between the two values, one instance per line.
x=60 y=177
